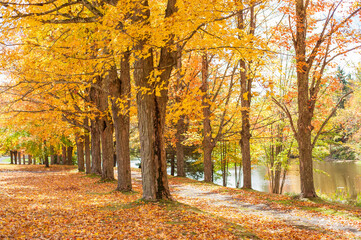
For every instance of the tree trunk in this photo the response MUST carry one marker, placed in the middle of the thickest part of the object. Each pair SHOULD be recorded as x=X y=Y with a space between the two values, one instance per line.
x=87 y=153
x=207 y=143
x=246 y=95
x=172 y=163
x=95 y=137
x=69 y=155
x=120 y=90
x=180 y=147
x=19 y=157
x=46 y=160
x=63 y=157
x=152 y=108
x=80 y=152
x=11 y=157
x=278 y=164
x=305 y=110
x=107 y=149
x=180 y=123
x=52 y=156
x=46 y=155
x=30 y=161
x=24 y=158
x=15 y=157
x=106 y=131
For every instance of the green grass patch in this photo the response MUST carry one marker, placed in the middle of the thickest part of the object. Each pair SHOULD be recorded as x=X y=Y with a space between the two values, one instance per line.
x=106 y=181
x=92 y=175
x=100 y=193
x=119 y=206
x=6 y=160
x=129 y=193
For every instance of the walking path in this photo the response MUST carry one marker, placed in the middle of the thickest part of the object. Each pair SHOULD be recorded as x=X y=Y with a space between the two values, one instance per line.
x=269 y=218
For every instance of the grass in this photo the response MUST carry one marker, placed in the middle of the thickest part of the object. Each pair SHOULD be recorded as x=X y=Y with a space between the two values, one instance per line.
x=6 y=160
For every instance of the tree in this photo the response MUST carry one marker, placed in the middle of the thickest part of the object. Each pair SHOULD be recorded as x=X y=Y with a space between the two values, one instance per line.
x=318 y=37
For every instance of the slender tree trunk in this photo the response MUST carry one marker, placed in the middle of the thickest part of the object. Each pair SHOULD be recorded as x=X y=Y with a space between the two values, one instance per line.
x=19 y=157
x=120 y=90
x=278 y=164
x=11 y=157
x=46 y=155
x=52 y=159
x=15 y=157
x=80 y=152
x=63 y=157
x=180 y=123
x=95 y=148
x=172 y=163
x=107 y=150
x=46 y=160
x=30 y=161
x=69 y=155
x=52 y=156
x=95 y=135
x=246 y=95
x=207 y=143
x=24 y=158
x=87 y=153
x=180 y=147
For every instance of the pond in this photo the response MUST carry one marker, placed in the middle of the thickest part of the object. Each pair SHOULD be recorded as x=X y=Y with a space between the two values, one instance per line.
x=332 y=178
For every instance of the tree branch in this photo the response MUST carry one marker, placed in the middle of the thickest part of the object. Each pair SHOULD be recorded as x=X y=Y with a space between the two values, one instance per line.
x=285 y=109
x=328 y=118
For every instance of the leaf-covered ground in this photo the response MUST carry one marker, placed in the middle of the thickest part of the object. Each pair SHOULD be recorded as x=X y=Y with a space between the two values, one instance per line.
x=271 y=216
x=59 y=203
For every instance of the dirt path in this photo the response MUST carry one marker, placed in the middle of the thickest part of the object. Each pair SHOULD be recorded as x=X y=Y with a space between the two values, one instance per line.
x=259 y=217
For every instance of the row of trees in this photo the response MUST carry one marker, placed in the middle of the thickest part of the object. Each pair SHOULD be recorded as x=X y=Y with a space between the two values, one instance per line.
x=193 y=72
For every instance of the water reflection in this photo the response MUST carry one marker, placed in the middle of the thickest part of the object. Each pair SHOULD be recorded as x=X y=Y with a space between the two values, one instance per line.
x=331 y=178
x=339 y=178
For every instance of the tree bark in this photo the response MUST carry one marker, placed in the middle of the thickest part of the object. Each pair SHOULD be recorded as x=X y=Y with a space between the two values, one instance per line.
x=30 y=160
x=208 y=143
x=278 y=164
x=63 y=156
x=120 y=91
x=107 y=149
x=80 y=152
x=180 y=147
x=15 y=157
x=172 y=162
x=152 y=108
x=246 y=96
x=96 y=167
x=69 y=155
x=46 y=160
x=180 y=123
x=106 y=131
x=305 y=110
x=19 y=157
x=87 y=153
x=11 y=157
x=24 y=158
x=52 y=156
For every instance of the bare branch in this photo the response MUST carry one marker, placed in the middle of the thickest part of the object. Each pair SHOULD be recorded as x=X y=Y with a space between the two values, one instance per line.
x=285 y=109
